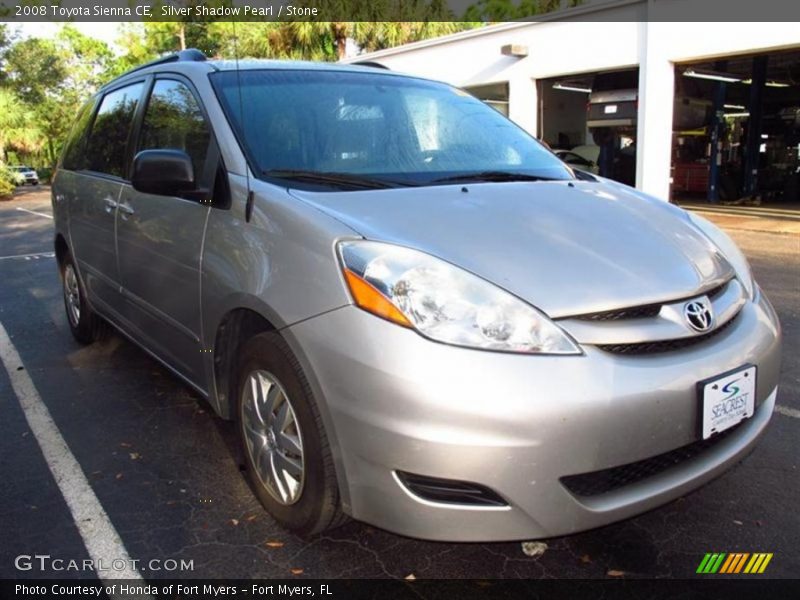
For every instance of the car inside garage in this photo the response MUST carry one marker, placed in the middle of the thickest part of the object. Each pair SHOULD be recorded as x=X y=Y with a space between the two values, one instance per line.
x=590 y=121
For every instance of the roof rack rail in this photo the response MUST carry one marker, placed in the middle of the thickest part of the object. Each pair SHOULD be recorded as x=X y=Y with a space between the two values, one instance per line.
x=188 y=55
x=369 y=63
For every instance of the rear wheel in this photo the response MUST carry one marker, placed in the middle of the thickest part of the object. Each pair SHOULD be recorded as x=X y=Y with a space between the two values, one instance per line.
x=86 y=326
x=286 y=452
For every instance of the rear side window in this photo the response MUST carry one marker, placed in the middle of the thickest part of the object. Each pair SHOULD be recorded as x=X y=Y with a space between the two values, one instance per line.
x=74 y=158
x=105 y=150
x=173 y=120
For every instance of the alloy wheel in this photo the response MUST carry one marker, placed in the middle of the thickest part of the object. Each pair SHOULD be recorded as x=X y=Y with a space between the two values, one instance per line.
x=72 y=295
x=272 y=437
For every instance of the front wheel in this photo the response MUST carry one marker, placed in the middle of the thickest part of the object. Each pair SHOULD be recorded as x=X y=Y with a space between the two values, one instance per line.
x=86 y=326
x=288 y=460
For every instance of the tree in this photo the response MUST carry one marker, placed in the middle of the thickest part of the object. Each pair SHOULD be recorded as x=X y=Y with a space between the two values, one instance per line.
x=379 y=35
x=136 y=51
x=321 y=40
x=36 y=69
x=88 y=59
x=164 y=37
x=52 y=78
x=6 y=40
x=508 y=10
x=18 y=130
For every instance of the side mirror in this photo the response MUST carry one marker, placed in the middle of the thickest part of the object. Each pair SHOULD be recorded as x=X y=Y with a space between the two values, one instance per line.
x=163 y=172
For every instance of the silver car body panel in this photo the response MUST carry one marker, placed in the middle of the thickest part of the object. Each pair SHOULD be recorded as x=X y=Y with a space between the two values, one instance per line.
x=519 y=423
x=159 y=243
x=169 y=273
x=92 y=202
x=537 y=239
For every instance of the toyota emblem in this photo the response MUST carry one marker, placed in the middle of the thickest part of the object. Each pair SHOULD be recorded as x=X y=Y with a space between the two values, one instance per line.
x=698 y=315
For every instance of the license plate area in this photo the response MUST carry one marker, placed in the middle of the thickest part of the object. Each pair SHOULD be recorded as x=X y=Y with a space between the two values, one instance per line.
x=726 y=400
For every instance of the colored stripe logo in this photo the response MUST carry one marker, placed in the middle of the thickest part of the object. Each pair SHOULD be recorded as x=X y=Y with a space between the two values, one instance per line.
x=734 y=563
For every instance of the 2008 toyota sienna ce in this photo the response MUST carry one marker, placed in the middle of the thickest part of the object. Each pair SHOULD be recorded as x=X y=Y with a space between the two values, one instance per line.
x=417 y=315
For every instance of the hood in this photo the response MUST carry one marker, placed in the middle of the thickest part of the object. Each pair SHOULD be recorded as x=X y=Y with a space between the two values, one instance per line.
x=568 y=248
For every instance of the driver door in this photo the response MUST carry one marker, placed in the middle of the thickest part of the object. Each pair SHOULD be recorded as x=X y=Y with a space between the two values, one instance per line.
x=160 y=238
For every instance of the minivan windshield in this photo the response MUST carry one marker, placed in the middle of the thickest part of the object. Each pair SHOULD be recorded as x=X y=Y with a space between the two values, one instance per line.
x=349 y=130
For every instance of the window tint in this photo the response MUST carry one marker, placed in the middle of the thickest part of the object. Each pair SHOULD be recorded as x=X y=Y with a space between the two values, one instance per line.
x=74 y=158
x=107 y=143
x=173 y=120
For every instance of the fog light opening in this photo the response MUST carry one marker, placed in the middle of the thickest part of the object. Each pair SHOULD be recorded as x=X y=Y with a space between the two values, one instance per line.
x=451 y=492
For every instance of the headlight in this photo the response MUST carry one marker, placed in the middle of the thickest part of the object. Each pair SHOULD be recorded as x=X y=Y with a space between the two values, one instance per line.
x=729 y=250
x=445 y=303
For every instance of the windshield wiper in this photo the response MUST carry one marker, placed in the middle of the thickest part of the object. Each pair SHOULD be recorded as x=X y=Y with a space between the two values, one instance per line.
x=351 y=180
x=493 y=176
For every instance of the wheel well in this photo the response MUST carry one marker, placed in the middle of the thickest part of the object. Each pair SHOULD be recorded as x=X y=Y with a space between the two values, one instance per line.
x=236 y=328
x=61 y=249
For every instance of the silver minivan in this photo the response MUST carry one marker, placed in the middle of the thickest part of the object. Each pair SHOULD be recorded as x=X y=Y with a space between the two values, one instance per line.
x=417 y=315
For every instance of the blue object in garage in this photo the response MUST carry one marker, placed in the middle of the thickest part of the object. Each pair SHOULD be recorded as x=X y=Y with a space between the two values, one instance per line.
x=754 y=125
x=717 y=124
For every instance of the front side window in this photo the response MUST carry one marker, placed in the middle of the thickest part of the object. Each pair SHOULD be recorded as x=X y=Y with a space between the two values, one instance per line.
x=385 y=127
x=105 y=150
x=173 y=120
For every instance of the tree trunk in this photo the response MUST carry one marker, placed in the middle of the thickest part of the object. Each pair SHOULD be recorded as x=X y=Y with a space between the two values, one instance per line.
x=182 y=36
x=340 y=36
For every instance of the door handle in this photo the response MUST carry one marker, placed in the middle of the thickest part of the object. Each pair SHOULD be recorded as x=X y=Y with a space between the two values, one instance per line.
x=126 y=209
x=110 y=205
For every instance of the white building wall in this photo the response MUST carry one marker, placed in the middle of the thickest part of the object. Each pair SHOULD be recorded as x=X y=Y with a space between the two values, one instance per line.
x=560 y=48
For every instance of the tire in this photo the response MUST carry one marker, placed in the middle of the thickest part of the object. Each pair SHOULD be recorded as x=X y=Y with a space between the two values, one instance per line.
x=280 y=428
x=86 y=326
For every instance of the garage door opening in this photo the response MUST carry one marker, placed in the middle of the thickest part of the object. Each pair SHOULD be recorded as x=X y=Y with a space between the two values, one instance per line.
x=746 y=151
x=590 y=120
x=494 y=94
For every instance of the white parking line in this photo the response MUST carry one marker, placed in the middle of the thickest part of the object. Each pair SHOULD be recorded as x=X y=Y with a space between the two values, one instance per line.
x=35 y=255
x=33 y=212
x=789 y=412
x=99 y=536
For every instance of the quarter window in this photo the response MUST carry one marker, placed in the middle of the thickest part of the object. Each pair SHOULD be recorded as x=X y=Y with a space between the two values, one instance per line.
x=74 y=157
x=174 y=121
x=109 y=138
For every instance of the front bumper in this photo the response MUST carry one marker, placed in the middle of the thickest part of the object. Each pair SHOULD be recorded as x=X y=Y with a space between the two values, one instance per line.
x=517 y=424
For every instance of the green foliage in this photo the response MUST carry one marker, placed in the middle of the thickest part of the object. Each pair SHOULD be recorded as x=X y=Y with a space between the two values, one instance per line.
x=43 y=82
x=7 y=184
x=47 y=80
x=321 y=40
x=5 y=43
x=18 y=125
x=509 y=10
x=36 y=69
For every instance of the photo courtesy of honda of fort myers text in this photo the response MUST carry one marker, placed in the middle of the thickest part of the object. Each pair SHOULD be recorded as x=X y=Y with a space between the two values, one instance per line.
x=494 y=299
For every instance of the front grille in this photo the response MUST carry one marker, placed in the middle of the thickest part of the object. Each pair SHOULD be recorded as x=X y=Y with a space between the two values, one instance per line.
x=636 y=312
x=714 y=292
x=665 y=345
x=643 y=311
x=608 y=480
x=450 y=491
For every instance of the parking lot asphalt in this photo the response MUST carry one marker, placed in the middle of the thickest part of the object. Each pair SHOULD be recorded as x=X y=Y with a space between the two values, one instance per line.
x=166 y=472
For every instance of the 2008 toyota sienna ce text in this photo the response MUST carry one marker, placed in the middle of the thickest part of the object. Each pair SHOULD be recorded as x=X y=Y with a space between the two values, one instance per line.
x=417 y=315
